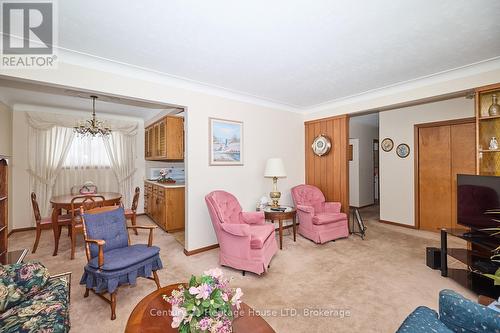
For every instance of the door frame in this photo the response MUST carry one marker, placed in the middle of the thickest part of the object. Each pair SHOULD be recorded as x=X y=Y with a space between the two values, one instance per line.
x=416 y=145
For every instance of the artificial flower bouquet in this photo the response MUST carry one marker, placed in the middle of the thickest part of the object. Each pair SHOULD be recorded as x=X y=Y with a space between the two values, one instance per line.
x=206 y=305
x=164 y=177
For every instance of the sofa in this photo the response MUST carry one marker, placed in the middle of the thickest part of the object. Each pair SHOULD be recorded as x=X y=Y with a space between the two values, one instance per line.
x=33 y=301
x=456 y=314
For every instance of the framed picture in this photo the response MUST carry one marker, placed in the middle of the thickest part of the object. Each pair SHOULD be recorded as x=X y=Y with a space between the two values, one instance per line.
x=403 y=150
x=226 y=142
x=387 y=144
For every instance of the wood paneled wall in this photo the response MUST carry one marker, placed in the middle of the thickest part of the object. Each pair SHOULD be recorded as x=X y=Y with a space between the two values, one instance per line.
x=330 y=173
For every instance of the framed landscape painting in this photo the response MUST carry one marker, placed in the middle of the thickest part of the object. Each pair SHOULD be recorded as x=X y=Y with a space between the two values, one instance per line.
x=226 y=142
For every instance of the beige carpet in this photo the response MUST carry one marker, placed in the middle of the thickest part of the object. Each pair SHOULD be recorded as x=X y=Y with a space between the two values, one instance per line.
x=376 y=282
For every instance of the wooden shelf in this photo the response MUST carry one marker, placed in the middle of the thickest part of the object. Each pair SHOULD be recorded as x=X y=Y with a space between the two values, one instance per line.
x=489 y=117
x=489 y=150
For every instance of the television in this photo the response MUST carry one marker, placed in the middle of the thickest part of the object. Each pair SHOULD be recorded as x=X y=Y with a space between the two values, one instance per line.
x=477 y=196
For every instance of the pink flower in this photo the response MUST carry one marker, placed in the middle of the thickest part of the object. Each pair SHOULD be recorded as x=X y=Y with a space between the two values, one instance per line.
x=205 y=323
x=178 y=315
x=216 y=273
x=224 y=297
x=203 y=291
x=236 y=299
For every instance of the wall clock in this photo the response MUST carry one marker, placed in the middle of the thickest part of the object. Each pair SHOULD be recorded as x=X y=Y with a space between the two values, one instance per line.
x=403 y=150
x=321 y=145
x=387 y=144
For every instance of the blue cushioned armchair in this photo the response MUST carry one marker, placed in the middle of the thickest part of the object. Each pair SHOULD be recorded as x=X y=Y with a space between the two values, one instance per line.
x=456 y=314
x=112 y=261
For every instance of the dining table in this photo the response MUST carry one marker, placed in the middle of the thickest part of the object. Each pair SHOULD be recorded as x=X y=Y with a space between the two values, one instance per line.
x=61 y=202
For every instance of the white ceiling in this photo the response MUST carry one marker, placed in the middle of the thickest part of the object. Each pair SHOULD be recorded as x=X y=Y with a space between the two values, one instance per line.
x=12 y=93
x=300 y=53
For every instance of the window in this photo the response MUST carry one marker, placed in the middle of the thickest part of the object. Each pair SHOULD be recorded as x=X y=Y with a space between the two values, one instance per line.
x=87 y=152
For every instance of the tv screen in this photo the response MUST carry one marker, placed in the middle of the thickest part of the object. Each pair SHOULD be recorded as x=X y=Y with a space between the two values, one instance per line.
x=477 y=196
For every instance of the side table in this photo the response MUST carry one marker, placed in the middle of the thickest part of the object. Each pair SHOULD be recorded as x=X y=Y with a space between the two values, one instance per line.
x=289 y=214
x=13 y=257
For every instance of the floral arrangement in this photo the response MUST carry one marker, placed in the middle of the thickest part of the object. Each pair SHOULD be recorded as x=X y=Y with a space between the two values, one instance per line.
x=206 y=305
x=164 y=178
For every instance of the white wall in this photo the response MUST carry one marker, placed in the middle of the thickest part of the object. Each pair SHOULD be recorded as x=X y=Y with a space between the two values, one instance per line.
x=354 y=174
x=5 y=130
x=21 y=212
x=268 y=132
x=397 y=190
x=364 y=129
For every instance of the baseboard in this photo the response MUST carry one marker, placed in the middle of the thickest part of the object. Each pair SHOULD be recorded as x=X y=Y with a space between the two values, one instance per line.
x=200 y=250
x=20 y=230
x=398 y=224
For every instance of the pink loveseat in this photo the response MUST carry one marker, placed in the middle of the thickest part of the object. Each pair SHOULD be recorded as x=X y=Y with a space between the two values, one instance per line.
x=320 y=221
x=246 y=241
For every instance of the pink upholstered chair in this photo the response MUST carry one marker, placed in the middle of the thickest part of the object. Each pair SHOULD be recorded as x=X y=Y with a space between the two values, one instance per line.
x=320 y=221
x=246 y=242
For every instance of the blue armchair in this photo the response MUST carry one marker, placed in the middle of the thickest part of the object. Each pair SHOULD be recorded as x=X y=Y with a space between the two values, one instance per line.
x=456 y=314
x=112 y=261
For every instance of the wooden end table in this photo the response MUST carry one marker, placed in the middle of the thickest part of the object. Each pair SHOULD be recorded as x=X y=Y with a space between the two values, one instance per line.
x=289 y=214
x=152 y=315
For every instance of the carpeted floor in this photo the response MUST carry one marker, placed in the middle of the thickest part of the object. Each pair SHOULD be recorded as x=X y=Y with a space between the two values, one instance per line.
x=374 y=284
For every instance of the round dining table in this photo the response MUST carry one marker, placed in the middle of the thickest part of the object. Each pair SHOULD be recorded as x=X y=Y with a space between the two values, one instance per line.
x=61 y=202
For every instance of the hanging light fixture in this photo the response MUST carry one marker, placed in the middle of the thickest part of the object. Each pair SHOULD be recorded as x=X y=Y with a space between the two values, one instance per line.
x=92 y=127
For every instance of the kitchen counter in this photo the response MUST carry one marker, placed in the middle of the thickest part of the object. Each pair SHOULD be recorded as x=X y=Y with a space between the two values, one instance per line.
x=165 y=185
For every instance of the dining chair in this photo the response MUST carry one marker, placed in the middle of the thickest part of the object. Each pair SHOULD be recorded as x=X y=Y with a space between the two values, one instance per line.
x=111 y=260
x=86 y=202
x=131 y=214
x=46 y=223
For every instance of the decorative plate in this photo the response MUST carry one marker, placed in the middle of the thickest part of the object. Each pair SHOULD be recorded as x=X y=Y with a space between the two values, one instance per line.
x=387 y=144
x=321 y=145
x=403 y=150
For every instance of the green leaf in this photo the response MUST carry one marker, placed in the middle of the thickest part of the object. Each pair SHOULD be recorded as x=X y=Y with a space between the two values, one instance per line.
x=192 y=281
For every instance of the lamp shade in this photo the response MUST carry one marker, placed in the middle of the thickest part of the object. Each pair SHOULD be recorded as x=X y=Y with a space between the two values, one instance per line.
x=275 y=168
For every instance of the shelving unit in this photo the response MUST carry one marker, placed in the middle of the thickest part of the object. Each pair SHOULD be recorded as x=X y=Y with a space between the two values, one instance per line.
x=488 y=161
x=4 y=204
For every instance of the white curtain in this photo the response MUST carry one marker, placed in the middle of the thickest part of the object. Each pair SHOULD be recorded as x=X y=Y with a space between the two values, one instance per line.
x=87 y=160
x=47 y=150
x=121 y=153
x=50 y=139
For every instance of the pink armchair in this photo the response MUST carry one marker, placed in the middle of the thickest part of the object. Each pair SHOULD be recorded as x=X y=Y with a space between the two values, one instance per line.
x=320 y=221
x=246 y=241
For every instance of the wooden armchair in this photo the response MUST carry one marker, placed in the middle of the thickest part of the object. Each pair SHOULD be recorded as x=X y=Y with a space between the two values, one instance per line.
x=86 y=202
x=112 y=260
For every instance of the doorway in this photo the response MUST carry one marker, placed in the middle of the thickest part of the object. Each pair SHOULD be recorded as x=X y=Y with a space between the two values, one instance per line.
x=444 y=150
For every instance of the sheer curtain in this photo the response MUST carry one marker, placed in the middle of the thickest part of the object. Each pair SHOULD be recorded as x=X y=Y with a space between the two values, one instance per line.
x=87 y=160
x=47 y=150
x=121 y=149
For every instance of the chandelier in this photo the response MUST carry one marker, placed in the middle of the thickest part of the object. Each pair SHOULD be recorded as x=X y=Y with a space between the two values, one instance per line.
x=92 y=127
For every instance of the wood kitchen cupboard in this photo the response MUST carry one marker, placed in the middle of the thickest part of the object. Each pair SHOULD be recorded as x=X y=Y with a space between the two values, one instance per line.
x=164 y=139
x=165 y=206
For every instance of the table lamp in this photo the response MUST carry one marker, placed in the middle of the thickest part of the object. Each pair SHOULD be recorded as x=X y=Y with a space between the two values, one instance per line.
x=275 y=169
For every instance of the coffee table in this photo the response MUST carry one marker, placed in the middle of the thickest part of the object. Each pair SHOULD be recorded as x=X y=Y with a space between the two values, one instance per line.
x=151 y=315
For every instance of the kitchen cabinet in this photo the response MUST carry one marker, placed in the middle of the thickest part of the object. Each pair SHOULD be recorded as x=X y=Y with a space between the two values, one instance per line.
x=164 y=140
x=164 y=204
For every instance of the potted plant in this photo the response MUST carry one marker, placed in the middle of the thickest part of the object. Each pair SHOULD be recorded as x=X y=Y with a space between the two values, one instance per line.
x=205 y=305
